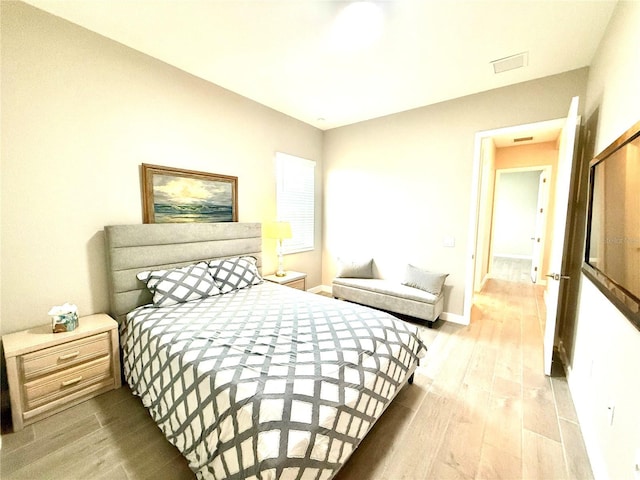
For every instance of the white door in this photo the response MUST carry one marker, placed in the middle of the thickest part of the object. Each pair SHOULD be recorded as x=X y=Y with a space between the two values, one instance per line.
x=566 y=156
x=538 y=234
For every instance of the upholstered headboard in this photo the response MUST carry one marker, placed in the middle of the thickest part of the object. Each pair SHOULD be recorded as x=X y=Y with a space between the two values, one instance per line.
x=135 y=248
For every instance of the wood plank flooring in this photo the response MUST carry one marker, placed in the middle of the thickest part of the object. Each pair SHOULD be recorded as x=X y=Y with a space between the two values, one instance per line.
x=479 y=408
x=507 y=268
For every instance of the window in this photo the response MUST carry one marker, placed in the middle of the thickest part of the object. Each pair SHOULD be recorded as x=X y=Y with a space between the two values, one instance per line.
x=295 y=204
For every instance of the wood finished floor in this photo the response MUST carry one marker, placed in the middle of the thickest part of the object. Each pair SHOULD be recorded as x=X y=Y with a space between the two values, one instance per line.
x=479 y=408
x=514 y=269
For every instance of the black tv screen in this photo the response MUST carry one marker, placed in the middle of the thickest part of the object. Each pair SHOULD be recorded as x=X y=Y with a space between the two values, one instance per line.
x=612 y=251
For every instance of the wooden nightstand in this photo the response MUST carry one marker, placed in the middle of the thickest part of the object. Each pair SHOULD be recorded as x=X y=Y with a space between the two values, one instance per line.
x=49 y=372
x=291 y=279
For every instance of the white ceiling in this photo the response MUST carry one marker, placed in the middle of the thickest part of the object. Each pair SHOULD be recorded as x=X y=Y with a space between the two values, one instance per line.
x=545 y=131
x=284 y=53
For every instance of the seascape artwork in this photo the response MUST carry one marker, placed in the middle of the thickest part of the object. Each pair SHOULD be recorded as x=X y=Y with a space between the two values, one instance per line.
x=183 y=200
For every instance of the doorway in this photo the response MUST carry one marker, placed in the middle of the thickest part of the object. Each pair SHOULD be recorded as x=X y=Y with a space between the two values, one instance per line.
x=519 y=221
x=565 y=131
x=496 y=150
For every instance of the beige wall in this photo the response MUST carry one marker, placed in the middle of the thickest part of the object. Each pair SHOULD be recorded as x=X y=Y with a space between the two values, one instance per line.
x=80 y=113
x=606 y=347
x=397 y=185
x=515 y=213
x=534 y=155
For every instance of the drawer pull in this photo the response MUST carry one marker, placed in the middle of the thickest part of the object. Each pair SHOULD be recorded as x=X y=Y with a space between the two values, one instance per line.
x=66 y=383
x=69 y=355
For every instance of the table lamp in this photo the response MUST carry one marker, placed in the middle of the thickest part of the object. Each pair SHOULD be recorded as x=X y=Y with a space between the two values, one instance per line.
x=279 y=231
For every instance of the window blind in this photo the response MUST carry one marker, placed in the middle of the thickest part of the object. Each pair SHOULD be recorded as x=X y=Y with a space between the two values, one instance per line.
x=295 y=194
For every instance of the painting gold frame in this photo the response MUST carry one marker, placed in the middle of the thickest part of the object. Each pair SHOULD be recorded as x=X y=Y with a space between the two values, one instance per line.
x=175 y=195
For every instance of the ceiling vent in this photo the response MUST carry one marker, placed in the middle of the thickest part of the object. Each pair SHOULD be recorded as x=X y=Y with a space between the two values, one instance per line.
x=522 y=139
x=510 y=63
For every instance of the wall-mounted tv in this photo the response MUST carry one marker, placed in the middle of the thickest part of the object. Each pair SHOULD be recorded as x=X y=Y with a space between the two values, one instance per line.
x=612 y=251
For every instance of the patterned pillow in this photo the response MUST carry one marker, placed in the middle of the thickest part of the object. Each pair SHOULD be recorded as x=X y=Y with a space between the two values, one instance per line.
x=179 y=285
x=234 y=273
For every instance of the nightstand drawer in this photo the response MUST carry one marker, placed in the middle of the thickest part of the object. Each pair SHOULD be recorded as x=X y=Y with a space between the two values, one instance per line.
x=51 y=387
x=299 y=284
x=52 y=359
x=291 y=279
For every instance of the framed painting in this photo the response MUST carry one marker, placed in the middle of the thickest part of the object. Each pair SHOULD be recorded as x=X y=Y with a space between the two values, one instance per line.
x=174 y=195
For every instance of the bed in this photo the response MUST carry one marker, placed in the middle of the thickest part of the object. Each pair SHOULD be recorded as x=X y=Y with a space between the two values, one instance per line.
x=258 y=382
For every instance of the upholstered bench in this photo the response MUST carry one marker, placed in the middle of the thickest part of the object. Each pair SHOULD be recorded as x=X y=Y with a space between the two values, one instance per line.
x=420 y=295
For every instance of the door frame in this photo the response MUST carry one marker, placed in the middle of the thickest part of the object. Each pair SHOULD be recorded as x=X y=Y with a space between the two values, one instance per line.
x=476 y=192
x=544 y=170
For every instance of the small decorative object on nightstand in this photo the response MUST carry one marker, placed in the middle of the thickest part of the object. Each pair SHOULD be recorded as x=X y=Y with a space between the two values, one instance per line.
x=290 y=279
x=64 y=318
x=49 y=372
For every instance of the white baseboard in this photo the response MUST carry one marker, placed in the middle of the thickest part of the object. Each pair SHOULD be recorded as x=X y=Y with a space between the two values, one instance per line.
x=518 y=257
x=320 y=289
x=454 y=318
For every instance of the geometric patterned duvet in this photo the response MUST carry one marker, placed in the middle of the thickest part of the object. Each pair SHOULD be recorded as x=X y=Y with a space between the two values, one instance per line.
x=266 y=382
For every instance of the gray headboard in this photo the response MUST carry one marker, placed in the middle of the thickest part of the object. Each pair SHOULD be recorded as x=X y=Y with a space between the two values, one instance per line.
x=135 y=248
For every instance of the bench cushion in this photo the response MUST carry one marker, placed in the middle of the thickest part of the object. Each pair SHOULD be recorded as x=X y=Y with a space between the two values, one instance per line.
x=389 y=296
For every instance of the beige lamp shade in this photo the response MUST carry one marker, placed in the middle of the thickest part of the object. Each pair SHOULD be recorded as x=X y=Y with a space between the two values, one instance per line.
x=277 y=230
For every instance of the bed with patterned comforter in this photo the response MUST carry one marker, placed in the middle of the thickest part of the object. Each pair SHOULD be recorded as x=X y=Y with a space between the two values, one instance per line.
x=266 y=382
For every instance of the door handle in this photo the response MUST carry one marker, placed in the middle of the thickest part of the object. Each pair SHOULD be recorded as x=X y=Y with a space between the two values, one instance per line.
x=557 y=276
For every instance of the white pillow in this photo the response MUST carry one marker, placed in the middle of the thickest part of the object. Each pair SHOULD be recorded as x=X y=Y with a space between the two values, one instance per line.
x=355 y=268
x=179 y=285
x=234 y=273
x=424 y=280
